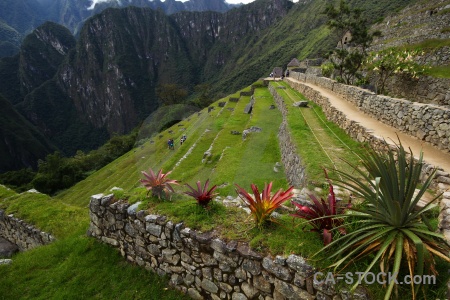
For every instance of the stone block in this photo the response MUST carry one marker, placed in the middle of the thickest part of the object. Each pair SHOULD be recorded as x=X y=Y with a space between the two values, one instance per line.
x=249 y=290
x=277 y=270
x=209 y=286
x=238 y=296
x=291 y=291
x=299 y=264
x=153 y=229
x=194 y=294
x=252 y=266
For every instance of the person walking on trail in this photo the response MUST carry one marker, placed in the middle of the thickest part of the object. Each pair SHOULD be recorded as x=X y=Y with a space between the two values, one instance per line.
x=170 y=144
x=183 y=139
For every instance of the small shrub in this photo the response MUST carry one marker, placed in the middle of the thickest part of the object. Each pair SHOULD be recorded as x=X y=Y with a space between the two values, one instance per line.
x=159 y=184
x=202 y=195
x=327 y=69
x=262 y=205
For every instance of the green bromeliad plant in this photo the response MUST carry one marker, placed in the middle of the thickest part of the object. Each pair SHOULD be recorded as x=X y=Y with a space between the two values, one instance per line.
x=158 y=183
x=390 y=229
x=262 y=205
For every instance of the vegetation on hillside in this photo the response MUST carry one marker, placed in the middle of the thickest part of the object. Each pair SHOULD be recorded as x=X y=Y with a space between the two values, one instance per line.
x=56 y=172
x=231 y=160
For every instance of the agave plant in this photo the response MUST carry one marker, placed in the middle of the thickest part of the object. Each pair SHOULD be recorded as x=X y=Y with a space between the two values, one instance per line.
x=159 y=184
x=322 y=215
x=262 y=205
x=389 y=227
x=202 y=195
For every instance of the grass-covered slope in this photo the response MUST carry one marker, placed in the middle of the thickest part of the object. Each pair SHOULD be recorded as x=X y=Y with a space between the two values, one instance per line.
x=78 y=267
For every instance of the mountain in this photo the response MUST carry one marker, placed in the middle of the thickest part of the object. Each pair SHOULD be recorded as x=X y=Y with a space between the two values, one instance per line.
x=106 y=84
x=19 y=17
x=21 y=144
x=80 y=93
x=9 y=40
x=41 y=54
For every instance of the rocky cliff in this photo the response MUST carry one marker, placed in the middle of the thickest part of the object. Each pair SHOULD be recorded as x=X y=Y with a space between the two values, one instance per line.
x=122 y=55
x=78 y=95
x=19 y=17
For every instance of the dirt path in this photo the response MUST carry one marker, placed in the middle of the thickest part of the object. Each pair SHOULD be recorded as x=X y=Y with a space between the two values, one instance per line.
x=431 y=154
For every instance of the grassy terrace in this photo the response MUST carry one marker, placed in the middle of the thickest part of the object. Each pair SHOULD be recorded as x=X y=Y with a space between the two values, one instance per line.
x=78 y=267
x=321 y=144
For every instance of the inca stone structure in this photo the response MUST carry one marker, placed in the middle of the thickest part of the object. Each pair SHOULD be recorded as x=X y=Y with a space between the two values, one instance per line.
x=201 y=264
x=427 y=122
x=293 y=166
x=429 y=118
x=24 y=235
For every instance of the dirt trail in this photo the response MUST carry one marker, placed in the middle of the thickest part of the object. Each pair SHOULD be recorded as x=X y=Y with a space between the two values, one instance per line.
x=431 y=154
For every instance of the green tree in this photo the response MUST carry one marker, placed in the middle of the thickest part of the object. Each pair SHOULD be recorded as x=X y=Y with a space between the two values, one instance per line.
x=347 y=61
x=388 y=62
x=204 y=95
x=170 y=94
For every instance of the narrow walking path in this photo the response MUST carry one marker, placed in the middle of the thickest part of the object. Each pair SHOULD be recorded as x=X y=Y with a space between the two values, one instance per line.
x=431 y=154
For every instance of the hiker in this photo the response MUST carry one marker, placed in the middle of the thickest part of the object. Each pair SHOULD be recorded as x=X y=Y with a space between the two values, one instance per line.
x=171 y=145
x=183 y=138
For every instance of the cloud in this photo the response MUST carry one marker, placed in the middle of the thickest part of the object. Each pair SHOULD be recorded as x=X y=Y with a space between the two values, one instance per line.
x=94 y=2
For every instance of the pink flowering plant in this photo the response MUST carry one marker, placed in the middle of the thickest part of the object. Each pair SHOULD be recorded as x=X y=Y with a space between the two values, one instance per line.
x=202 y=194
x=158 y=184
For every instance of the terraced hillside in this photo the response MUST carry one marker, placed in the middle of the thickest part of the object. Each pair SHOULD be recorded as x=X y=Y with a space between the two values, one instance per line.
x=210 y=151
x=214 y=149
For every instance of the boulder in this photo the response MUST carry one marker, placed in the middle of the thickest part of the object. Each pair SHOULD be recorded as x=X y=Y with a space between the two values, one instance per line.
x=7 y=249
x=301 y=104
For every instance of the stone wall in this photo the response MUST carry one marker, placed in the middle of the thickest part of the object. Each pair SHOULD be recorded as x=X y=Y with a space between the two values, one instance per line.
x=444 y=216
x=398 y=113
x=18 y=232
x=423 y=21
x=426 y=89
x=427 y=122
x=201 y=264
x=294 y=170
x=393 y=108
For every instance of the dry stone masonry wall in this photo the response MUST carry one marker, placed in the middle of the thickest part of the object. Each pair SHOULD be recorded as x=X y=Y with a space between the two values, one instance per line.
x=444 y=216
x=24 y=235
x=399 y=110
x=425 y=89
x=295 y=171
x=201 y=264
x=425 y=20
x=427 y=122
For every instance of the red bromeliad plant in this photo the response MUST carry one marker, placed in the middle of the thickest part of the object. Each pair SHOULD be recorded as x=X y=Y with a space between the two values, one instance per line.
x=262 y=205
x=158 y=183
x=322 y=215
x=202 y=195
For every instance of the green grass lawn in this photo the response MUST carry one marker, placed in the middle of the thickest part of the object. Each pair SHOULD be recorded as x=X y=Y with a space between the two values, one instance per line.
x=74 y=266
